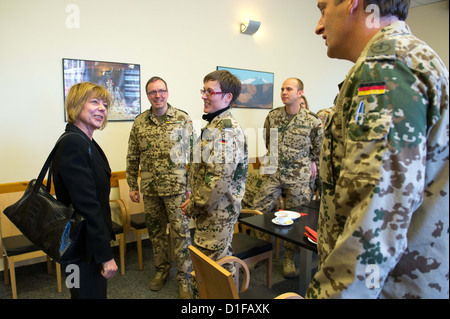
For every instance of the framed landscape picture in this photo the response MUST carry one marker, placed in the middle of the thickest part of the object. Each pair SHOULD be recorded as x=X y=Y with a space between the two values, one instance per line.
x=257 y=88
x=122 y=80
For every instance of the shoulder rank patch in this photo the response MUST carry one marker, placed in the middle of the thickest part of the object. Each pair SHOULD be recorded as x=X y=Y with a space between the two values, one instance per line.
x=227 y=123
x=385 y=49
x=372 y=88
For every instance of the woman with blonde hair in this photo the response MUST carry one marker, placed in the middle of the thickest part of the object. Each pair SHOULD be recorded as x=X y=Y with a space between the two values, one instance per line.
x=81 y=176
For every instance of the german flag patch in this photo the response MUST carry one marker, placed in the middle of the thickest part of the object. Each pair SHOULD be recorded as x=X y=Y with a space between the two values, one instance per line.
x=372 y=88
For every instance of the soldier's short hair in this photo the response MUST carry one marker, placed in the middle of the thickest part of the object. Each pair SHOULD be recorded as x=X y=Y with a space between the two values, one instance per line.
x=227 y=81
x=154 y=79
x=299 y=83
x=79 y=94
x=396 y=8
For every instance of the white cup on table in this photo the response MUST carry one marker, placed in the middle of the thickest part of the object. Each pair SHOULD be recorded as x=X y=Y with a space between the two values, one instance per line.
x=283 y=218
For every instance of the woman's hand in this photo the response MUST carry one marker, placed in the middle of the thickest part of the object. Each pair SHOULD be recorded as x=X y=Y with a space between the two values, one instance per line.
x=109 y=269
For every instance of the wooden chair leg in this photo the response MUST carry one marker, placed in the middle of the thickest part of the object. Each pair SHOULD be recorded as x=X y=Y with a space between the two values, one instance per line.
x=122 y=253
x=12 y=275
x=5 y=270
x=49 y=266
x=58 y=276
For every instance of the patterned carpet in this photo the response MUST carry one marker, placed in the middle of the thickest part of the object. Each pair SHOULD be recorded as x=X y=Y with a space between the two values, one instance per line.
x=33 y=281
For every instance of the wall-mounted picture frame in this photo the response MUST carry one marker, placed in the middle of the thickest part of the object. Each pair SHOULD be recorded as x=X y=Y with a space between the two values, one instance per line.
x=122 y=80
x=257 y=88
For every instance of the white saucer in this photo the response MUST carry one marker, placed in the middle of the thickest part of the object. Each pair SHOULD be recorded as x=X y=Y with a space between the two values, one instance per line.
x=291 y=215
x=275 y=221
x=311 y=240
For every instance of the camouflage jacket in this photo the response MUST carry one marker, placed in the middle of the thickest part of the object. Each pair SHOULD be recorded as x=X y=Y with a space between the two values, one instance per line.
x=384 y=217
x=217 y=178
x=323 y=114
x=161 y=150
x=292 y=145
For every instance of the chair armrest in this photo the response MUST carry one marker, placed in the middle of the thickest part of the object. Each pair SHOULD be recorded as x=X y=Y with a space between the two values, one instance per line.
x=289 y=295
x=230 y=259
x=251 y=212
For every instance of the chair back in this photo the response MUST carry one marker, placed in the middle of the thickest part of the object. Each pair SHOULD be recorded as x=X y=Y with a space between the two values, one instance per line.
x=118 y=212
x=124 y=195
x=8 y=229
x=213 y=281
x=245 y=213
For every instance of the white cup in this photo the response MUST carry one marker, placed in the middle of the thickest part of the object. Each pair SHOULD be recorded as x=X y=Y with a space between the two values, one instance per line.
x=283 y=218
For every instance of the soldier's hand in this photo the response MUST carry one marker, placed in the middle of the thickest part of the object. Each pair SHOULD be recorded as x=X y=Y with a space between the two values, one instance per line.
x=313 y=170
x=135 y=196
x=184 y=208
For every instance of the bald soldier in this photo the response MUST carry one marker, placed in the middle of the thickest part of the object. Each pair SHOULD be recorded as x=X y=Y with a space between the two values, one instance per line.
x=293 y=139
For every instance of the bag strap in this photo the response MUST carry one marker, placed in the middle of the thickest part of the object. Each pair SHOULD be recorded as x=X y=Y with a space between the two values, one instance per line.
x=47 y=163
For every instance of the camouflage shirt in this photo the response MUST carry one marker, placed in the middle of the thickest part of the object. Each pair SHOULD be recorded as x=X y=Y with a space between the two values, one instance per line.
x=384 y=217
x=161 y=148
x=292 y=144
x=218 y=177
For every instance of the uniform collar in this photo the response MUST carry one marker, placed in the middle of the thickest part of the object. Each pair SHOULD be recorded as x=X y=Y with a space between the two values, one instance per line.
x=396 y=28
x=216 y=120
x=290 y=117
x=211 y=116
x=169 y=114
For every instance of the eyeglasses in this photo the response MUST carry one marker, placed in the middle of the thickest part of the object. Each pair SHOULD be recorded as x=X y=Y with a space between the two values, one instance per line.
x=160 y=92
x=203 y=91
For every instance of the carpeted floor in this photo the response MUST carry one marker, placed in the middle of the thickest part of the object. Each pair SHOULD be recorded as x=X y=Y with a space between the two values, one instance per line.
x=33 y=282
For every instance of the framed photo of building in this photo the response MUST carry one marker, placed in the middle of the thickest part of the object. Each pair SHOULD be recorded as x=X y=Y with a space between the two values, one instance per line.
x=122 y=80
x=257 y=88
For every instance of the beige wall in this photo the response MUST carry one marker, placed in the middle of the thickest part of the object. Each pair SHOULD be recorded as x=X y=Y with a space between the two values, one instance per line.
x=431 y=24
x=180 y=41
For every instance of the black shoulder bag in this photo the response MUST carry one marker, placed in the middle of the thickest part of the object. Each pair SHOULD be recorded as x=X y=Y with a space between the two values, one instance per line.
x=47 y=223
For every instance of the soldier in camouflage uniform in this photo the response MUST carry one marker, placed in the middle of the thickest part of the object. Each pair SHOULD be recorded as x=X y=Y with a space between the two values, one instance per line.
x=293 y=139
x=220 y=167
x=384 y=217
x=323 y=114
x=159 y=144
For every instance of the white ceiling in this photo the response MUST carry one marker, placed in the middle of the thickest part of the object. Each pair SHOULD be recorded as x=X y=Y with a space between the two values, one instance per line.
x=418 y=3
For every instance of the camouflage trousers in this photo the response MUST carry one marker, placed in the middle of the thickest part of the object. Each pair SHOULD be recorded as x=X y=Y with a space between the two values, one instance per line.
x=160 y=210
x=297 y=193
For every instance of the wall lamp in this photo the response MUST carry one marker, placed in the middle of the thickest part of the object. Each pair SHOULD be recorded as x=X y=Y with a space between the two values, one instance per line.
x=251 y=27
